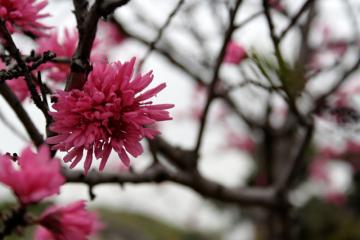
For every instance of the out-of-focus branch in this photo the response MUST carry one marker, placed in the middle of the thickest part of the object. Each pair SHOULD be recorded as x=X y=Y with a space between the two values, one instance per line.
x=153 y=174
x=338 y=84
x=20 y=112
x=108 y=6
x=10 y=126
x=283 y=68
x=192 y=73
x=249 y=19
x=160 y=31
x=181 y=158
x=215 y=77
x=80 y=66
x=14 y=219
x=16 y=72
x=295 y=18
x=263 y=197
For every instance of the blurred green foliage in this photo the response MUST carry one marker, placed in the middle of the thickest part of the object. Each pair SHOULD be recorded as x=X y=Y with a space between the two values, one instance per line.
x=125 y=226
x=320 y=220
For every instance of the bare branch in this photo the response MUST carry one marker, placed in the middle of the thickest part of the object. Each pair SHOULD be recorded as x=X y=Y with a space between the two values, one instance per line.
x=215 y=76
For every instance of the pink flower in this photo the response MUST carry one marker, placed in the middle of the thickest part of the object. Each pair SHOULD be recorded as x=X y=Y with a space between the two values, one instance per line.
x=109 y=113
x=42 y=234
x=64 y=48
x=234 y=53
x=276 y=5
x=23 y=15
x=37 y=177
x=19 y=87
x=68 y=222
x=242 y=142
x=318 y=169
x=336 y=198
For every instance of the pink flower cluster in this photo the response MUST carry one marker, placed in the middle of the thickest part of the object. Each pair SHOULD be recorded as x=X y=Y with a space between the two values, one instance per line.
x=235 y=53
x=37 y=176
x=23 y=15
x=68 y=222
x=64 y=48
x=111 y=112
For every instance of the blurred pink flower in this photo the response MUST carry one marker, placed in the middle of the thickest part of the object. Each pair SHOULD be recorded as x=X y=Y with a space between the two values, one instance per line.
x=69 y=222
x=23 y=15
x=235 y=53
x=352 y=146
x=276 y=5
x=42 y=234
x=241 y=142
x=196 y=109
x=64 y=48
x=110 y=33
x=329 y=152
x=37 y=177
x=17 y=85
x=109 y=113
x=336 y=198
x=318 y=169
x=337 y=47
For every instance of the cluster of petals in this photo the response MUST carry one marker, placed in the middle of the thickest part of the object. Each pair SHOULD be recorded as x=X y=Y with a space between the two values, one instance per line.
x=235 y=53
x=63 y=47
x=23 y=15
x=110 y=112
x=72 y=221
x=37 y=175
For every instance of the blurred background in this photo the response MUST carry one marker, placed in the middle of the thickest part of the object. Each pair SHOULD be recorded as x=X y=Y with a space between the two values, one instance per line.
x=326 y=196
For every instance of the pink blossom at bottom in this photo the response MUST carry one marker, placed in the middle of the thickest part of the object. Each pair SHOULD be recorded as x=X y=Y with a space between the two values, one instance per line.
x=70 y=222
x=37 y=177
x=235 y=53
x=111 y=112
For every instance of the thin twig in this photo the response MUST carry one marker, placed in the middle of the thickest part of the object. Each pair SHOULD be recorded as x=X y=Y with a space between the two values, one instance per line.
x=15 y=53
x=160 y=32
x=296 y=17
x=215 y=76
